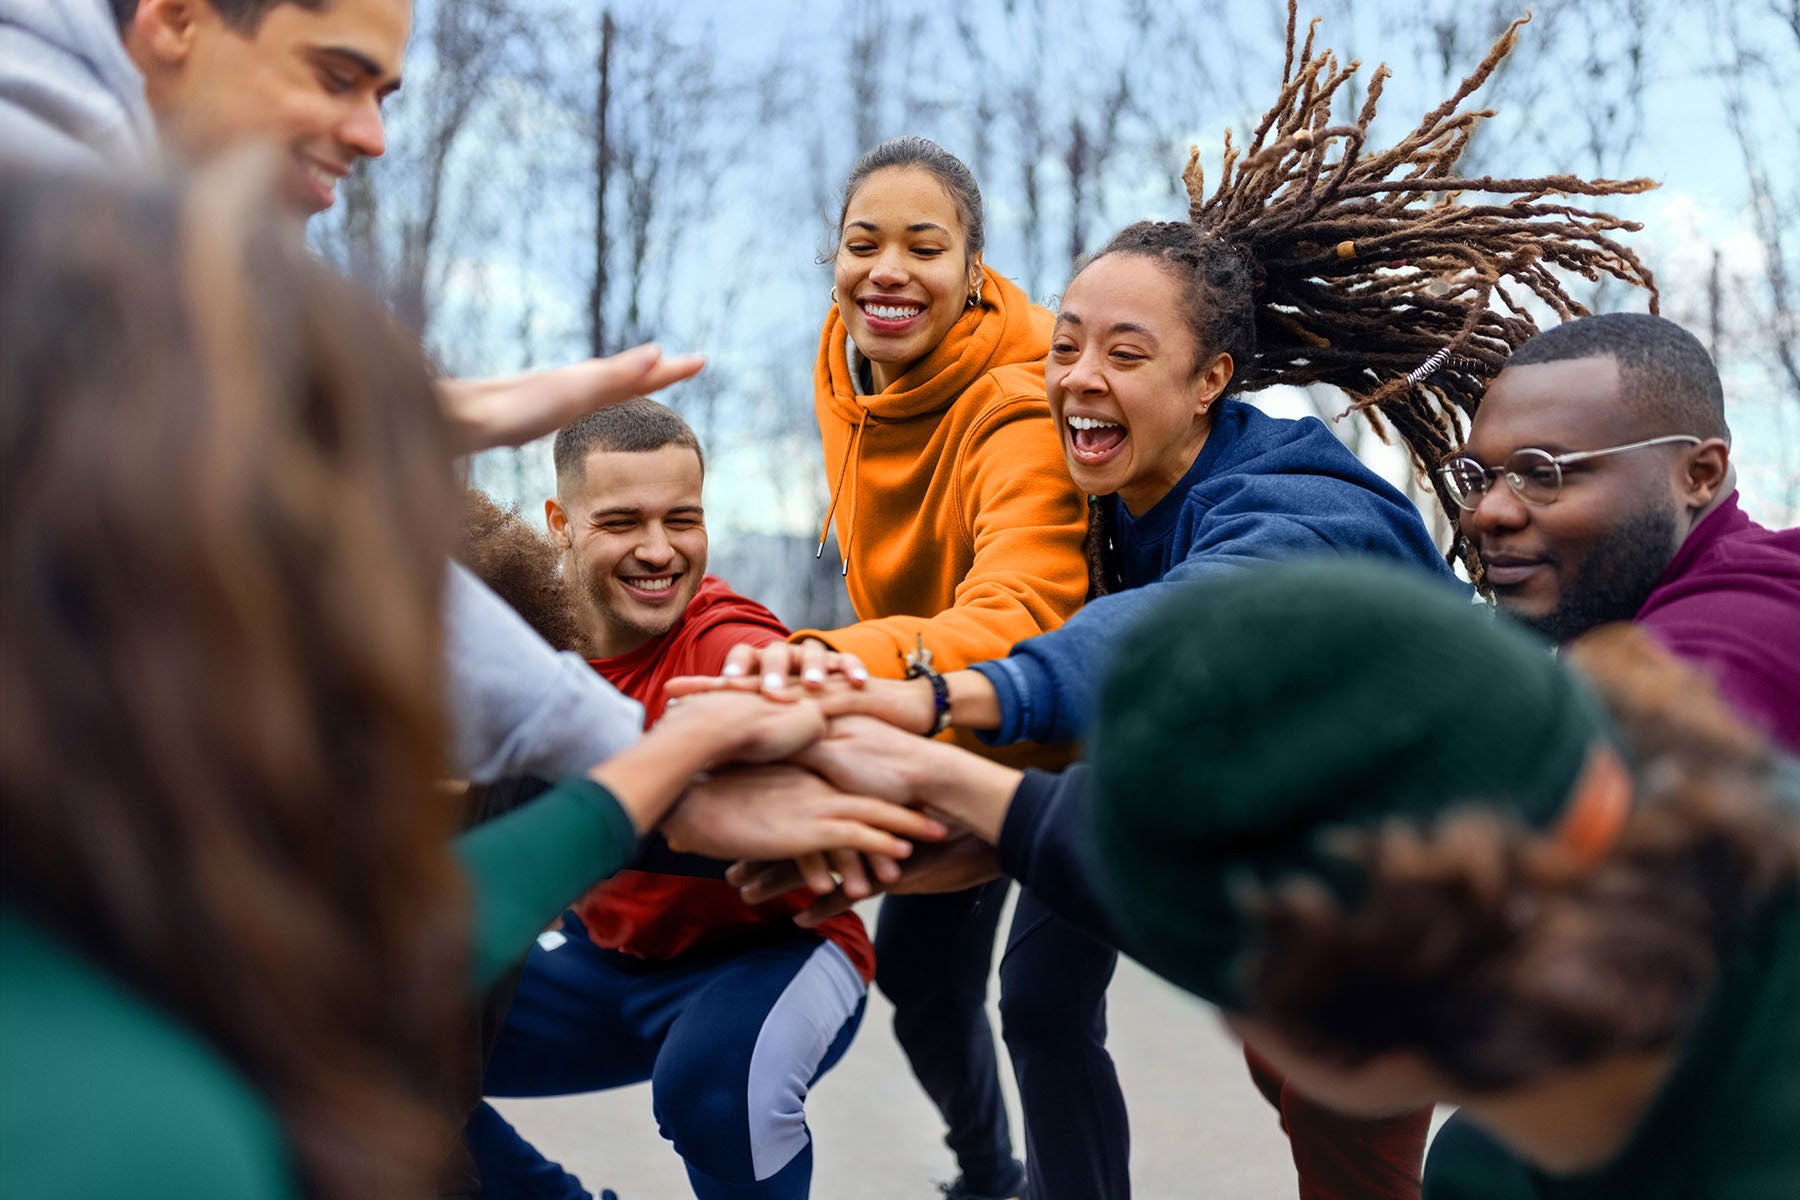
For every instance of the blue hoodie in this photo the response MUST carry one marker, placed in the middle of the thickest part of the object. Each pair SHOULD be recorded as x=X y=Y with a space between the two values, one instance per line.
x=1262 y=488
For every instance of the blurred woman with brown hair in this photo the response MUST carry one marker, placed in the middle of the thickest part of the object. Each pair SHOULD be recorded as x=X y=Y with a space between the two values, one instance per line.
x=235 y=940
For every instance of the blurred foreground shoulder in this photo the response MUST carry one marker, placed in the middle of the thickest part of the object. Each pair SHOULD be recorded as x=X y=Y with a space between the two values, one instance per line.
x=104 y=1096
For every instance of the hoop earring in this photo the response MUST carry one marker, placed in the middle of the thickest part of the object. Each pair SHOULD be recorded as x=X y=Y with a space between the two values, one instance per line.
x=974 y=297
x=834 y=298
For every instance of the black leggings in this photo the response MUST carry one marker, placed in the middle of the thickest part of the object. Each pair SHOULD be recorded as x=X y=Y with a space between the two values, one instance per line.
x=933 y=954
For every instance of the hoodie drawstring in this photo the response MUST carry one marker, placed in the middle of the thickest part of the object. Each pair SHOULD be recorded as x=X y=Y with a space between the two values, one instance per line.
x=851 y=453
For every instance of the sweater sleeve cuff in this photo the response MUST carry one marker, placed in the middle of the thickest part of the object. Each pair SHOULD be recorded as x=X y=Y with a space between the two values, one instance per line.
x=527 y=866
x=1042 y=845
x=1017 y=682
x=616 y=826
x=1024 y=818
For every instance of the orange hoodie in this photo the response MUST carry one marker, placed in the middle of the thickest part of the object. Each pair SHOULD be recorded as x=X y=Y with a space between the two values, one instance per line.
x=954 y=512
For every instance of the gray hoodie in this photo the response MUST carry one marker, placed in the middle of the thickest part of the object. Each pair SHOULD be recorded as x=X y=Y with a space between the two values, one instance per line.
x=70 y=97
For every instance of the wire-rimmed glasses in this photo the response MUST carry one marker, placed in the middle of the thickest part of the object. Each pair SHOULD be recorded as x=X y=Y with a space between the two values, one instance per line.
x=1534 y=475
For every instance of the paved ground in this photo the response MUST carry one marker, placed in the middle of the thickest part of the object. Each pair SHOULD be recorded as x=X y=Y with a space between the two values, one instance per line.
x=1198 y=1126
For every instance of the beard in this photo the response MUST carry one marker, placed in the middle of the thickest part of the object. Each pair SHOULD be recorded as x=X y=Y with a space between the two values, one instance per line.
x=1614 y=580
x=619 y=622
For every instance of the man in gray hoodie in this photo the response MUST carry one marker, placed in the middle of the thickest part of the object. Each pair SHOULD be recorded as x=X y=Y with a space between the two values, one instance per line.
x=70 y=96
x=116 y=84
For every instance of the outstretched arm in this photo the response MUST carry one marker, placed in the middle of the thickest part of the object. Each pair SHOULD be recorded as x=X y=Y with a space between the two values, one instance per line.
x=526 y=866
x=1028 y=825
x=518 y=707
x=516 y=409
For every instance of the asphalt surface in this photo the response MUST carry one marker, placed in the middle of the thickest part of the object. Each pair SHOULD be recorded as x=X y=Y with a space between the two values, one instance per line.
x=1199 y=1128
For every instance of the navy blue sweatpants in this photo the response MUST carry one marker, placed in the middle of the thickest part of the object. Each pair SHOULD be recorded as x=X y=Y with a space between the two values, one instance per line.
x=932 y=956
x=730 y=1042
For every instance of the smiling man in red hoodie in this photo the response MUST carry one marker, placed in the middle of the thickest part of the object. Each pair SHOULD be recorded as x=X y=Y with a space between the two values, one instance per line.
x=729 y=1010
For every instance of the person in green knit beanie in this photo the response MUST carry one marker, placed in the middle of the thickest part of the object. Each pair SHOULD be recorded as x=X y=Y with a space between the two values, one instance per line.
x=1400 y=846
x=1244 y=729
x=1416 y=859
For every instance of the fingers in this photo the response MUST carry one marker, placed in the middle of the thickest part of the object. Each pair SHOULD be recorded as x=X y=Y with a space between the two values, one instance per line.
x=694 y=685
x=823 y=909
x=634 y=372
x=847 y=865
x=769 y=666
x=885 y=867
x=740 y=661
x=819 y=662
x=744 y=870
x=881 y=816
x=669 y=369
x=812 y=663
x=760 y=881
x=817 y=874
x=776 y=667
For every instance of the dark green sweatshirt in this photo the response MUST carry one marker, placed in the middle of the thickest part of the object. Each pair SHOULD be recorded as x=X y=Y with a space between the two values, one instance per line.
x=103 y=1097
x=1726 y=1126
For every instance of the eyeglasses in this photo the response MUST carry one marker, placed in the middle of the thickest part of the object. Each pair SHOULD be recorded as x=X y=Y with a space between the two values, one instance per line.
x=1534 y=475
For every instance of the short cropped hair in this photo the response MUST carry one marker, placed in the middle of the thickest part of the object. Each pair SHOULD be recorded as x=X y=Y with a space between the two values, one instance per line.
x=637 y=426
x=245 y=15
x=1665 y=374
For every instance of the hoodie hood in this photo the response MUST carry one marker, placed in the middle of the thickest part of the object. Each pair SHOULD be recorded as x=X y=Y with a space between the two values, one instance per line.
x=70 y=97
x=1005 y=328
x=983 y=338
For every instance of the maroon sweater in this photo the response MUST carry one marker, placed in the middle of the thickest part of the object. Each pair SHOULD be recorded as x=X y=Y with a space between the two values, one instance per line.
x=1729 y=602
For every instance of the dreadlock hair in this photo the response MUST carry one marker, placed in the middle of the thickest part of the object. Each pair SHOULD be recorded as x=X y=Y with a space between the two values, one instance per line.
x=1316 y=261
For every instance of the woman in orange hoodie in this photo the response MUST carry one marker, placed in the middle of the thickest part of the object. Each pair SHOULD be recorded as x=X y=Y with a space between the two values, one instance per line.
x=961 y=535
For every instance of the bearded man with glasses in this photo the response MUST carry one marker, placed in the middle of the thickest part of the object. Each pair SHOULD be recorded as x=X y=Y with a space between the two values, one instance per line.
x=1597 y=486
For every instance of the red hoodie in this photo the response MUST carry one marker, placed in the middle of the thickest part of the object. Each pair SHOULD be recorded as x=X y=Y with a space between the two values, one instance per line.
x=655 y=916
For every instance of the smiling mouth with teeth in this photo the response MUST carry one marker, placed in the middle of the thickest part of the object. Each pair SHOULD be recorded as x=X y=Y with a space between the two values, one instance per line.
x=1092 y=436
x=892 y=312
x=660 y=584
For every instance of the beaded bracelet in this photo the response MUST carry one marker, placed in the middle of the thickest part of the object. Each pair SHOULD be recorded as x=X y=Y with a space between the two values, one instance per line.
x=918 y=666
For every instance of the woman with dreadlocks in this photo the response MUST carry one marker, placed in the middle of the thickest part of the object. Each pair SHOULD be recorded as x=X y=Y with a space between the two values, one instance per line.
x=1315 y=260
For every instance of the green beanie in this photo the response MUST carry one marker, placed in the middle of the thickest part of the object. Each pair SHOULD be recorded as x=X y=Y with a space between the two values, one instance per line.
x=1249 y=715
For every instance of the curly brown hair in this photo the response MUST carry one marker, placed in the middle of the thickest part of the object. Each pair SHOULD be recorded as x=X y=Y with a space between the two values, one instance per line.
x=521 y=566
x=227 y=507
x=1496 y=953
